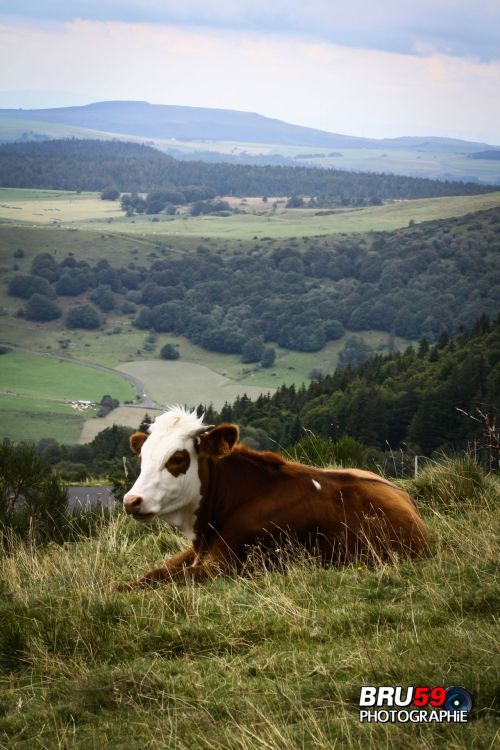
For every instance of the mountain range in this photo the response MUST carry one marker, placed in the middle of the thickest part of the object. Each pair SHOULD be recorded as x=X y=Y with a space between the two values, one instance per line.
x=162 y=121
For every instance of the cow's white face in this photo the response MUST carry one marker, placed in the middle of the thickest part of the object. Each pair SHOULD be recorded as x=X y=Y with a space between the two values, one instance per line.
x=169 y=485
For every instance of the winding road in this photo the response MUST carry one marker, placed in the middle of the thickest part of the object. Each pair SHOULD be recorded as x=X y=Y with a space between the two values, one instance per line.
x=145 y=402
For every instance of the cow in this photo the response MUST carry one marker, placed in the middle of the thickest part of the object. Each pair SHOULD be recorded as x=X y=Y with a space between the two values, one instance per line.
x=225 y=498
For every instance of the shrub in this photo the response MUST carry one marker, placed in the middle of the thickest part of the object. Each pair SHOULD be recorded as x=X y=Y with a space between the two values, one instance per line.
x=312 y=450
x=350 y=452
x=39 y=307
x=24 y=285
x=32 y=498
x=454 y=484
x=110 y=194
x=83 y=316
x=169 y=352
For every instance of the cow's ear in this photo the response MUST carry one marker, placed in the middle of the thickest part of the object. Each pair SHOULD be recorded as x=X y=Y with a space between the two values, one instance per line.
x=136 y=441
x=219 y=441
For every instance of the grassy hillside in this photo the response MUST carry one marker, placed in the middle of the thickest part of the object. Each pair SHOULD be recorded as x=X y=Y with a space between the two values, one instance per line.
x=264 y=661
x=32 y=209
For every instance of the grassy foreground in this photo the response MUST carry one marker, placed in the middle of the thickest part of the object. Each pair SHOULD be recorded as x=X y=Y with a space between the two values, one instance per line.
x=271 y=660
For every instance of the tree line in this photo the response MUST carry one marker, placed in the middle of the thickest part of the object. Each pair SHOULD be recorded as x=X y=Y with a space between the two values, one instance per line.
x=93 y=165
x=418 y=399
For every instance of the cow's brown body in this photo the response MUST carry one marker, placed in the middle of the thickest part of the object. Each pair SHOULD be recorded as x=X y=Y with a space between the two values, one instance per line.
x=251 y=497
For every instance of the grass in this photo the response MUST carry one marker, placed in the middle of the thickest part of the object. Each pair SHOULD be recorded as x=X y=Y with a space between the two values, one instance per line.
x=187 y=383
x=44 y=377
x=86 y=211
x=271 y=661
x=33 y=390
x=25 y=418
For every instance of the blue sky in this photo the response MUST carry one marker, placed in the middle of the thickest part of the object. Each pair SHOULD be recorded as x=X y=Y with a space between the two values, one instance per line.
x=384 y=68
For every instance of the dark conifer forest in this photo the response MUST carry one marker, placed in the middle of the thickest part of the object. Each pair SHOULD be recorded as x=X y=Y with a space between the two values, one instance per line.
x=99 y=165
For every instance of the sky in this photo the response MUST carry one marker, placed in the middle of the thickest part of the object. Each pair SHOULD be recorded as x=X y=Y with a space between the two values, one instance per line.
x=374 y=68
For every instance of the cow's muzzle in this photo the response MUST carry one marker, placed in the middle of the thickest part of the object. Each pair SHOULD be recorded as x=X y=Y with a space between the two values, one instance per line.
x=134 y=506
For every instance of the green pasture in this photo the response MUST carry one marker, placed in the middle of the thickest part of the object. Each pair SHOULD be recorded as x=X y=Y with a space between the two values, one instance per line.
x=300 y=222
x=187 y=383
x=87 y=212
x=289 y=367
x=48 y=378
x=27 y=418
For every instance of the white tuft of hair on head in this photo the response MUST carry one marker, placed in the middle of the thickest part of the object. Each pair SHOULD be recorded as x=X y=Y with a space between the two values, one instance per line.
x=177 y=418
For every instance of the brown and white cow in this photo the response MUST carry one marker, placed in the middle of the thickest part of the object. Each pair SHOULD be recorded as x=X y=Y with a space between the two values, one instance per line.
x=226 y=497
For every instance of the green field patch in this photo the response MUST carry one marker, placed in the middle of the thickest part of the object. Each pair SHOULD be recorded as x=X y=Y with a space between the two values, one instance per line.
x=290 y=367
x=187 y=383
x=86 y=211
x=48 y=377
x=26 y=418
x=55 y=206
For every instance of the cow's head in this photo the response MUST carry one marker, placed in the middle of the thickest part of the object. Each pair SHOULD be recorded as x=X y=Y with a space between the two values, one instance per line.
x=172 y=458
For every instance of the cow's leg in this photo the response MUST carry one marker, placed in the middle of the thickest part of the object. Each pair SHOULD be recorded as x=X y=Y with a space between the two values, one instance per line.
x=174 y=565
x=218 y=559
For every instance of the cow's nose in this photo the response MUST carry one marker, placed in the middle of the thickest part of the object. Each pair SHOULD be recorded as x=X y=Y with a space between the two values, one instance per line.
x=132 y=504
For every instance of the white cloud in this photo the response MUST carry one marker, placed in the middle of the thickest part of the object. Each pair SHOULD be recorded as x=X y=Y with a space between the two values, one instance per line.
x=454 y=27
x=308 y=82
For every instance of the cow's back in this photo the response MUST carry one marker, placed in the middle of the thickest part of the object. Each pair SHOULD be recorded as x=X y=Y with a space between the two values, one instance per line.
x=340 y=513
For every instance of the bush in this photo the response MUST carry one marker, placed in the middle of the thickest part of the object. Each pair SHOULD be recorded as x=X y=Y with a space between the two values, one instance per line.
x=169 y=352
x=312 y=450
x=110 y=194
x=350 y=452
x=83 y=316
x=24 y=285
x=32 y=498
x=454 y=484
x=41 y=308
x=107 y=404
x=268 y=357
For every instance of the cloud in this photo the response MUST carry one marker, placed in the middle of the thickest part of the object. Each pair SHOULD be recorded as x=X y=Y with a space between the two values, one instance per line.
x=304 y=81
x=458 y=28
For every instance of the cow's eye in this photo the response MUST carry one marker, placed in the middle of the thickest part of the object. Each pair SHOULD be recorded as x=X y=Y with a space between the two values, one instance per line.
x=176 y=458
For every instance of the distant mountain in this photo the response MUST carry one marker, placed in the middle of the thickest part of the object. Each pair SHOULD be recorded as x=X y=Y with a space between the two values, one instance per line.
x=146 y=120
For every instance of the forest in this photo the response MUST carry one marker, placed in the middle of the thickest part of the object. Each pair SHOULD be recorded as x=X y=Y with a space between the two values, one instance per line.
x=100 y=165
x=415 y=399
x=411 y=282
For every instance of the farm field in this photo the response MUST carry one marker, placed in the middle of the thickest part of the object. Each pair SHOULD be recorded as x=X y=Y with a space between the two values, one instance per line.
x=87 y=211
x=125 y=416
x=22 y=373
x=187 y=383
x=33 y=389
x=262 y=661
x=28 y=418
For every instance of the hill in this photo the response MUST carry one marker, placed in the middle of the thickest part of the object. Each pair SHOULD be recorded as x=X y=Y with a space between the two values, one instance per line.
x=409 y=399
x=195 y=123
x=97 y=165
x=410 y=282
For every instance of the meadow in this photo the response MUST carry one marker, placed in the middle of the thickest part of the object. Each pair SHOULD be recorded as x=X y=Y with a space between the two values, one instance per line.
x=34 y=389
x=263 y=661
x=85 y=211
